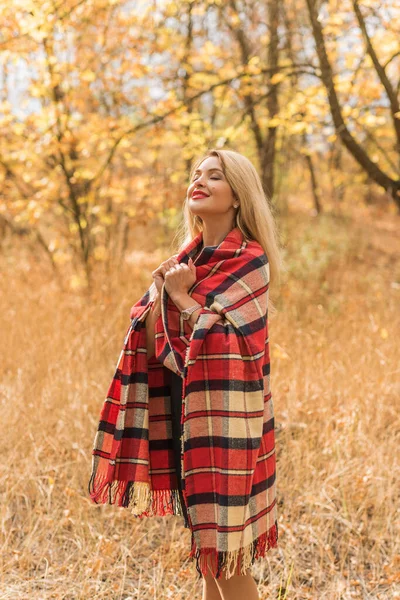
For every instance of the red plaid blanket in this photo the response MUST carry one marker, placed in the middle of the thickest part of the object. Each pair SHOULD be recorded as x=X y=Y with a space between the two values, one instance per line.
x=228 y=442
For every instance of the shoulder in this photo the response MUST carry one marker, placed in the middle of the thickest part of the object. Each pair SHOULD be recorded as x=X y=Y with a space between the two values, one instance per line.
x=254 y=250
x=255 y=264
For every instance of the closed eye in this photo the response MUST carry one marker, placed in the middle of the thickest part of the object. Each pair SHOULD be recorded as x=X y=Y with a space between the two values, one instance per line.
x=195 y=177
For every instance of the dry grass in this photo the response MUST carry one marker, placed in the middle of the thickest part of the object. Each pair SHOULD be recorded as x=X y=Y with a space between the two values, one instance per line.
x=335 y=383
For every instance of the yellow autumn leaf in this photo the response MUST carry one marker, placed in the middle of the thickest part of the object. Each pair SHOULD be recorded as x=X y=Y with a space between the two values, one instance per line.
x=108 y=219
x=279 y=352
x=298 y=127
x=88 y=75
x=37 y=90
x=76 y=282
x=175 y=177
x=19 y=128
x=171 y=9
x=277 y=78
x=274 y=122
x=100 y=253
x=235 y=19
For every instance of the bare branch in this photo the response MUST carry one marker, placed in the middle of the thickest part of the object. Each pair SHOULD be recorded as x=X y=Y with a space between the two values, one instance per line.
x=380 y=70
x=357 y=151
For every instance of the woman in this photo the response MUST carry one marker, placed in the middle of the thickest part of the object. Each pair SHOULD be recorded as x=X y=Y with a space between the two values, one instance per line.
x=196 y=359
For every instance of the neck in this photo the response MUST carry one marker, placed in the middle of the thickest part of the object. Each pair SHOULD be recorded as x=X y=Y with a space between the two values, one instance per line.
x=213 y=233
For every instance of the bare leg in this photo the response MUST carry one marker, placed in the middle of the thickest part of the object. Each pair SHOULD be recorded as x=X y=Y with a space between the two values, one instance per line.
x=237 y=587
x=210 y=588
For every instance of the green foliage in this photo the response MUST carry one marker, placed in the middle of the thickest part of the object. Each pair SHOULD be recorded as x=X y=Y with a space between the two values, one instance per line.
x=319 y=242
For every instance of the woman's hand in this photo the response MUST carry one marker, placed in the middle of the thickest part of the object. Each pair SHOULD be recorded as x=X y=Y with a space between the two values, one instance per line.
x=179 y=278
x=159 y=273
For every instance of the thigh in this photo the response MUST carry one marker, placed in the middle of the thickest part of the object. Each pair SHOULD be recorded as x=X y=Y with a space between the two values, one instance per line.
x=211 y=565
x=211 y=590
x=237 y=586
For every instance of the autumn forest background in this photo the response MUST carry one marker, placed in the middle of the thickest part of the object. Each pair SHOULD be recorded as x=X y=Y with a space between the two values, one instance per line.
x=104 y=105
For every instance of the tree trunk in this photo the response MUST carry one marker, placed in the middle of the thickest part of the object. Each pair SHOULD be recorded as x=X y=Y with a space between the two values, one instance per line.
x=355 y=149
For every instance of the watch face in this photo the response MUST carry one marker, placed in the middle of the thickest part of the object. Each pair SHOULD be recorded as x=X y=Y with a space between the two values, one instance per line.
x=186 y=312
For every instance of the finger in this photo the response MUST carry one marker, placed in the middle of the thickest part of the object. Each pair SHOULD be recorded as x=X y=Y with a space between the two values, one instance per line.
x=173 y=269
x=159 y=270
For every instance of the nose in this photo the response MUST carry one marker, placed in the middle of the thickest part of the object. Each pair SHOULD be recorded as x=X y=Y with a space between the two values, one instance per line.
x=198 y=179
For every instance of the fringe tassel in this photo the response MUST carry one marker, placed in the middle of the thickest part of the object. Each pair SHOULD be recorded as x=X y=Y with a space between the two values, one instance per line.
x=233 y=561
x=136 y=495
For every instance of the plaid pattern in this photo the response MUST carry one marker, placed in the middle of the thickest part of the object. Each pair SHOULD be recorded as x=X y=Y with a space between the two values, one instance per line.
x=228 y=443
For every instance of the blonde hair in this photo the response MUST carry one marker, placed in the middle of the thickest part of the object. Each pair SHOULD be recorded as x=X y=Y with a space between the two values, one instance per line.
x=254 y=217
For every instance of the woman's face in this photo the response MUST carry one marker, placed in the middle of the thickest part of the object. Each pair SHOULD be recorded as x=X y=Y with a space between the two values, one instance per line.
x=209 y=193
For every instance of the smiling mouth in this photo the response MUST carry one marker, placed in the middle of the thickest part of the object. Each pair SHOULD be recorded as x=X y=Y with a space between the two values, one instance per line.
x=199 y=196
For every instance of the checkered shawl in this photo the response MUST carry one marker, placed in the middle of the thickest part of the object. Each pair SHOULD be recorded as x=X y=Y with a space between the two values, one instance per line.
x=227 y=423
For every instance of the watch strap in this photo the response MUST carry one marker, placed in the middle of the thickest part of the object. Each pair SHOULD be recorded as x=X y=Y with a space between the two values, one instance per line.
x=186 y=312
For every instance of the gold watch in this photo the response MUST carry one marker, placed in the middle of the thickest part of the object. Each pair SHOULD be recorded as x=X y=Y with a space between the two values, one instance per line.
x=186 y=312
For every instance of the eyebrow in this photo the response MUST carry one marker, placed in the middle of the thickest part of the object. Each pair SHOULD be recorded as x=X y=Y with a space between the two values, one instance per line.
x=213 y=169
